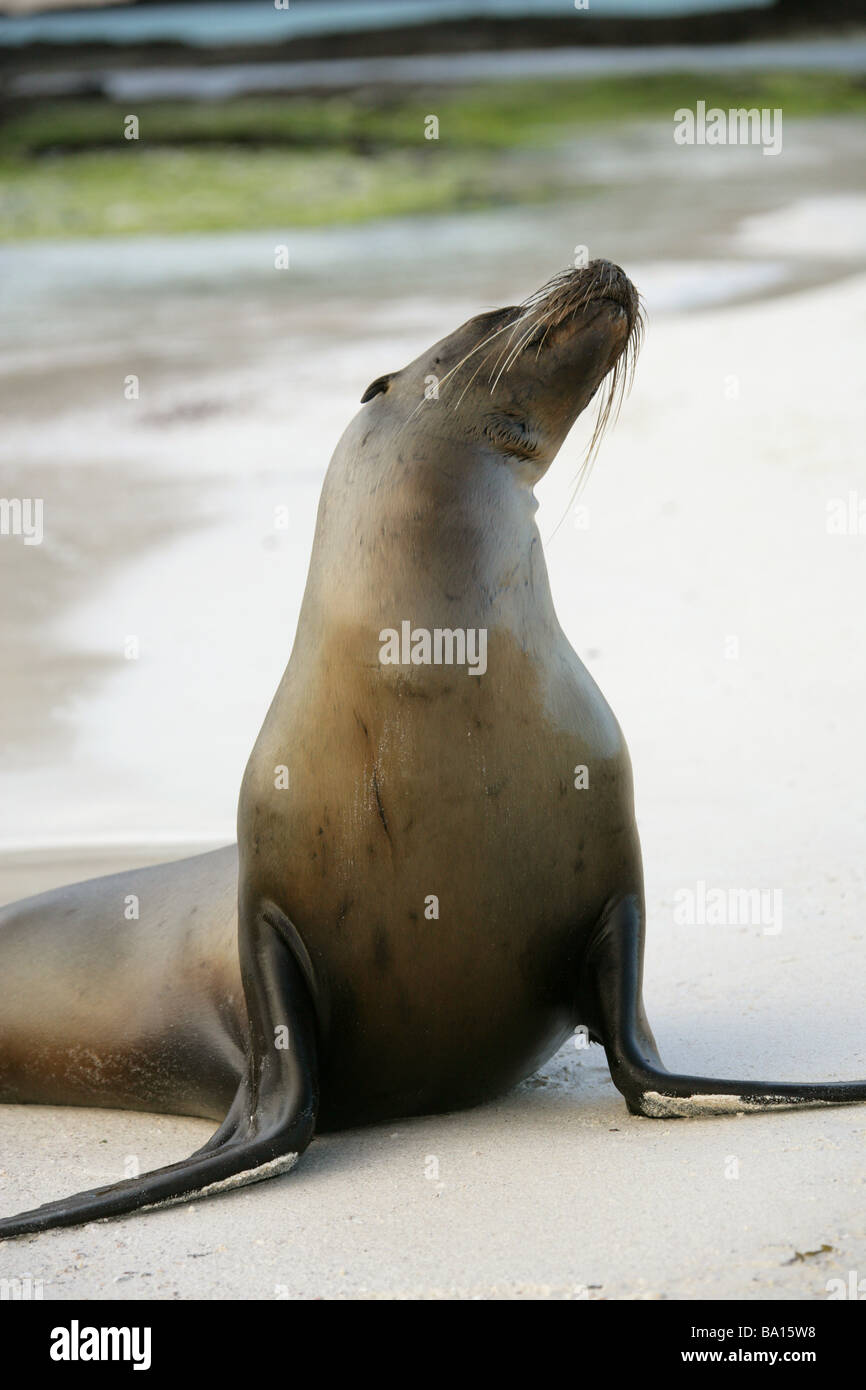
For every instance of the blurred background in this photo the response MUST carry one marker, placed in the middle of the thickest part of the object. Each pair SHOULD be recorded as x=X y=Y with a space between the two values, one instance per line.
x=178 y=520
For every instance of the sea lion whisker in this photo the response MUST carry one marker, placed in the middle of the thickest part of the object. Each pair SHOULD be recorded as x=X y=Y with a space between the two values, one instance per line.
x=510 y=354
x=446 y=379
x=514 y=354
x=616 y=387
x=479 y=368
x=513 y=351
x=472 y=351
x=543 y=340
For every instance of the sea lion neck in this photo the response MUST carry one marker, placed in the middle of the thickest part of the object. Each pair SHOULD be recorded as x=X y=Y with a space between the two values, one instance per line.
x=435 y=531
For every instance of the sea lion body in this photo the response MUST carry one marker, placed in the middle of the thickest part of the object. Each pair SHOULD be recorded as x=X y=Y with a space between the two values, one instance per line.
x=147 y=1012
x=438 y=784
x=438 y=873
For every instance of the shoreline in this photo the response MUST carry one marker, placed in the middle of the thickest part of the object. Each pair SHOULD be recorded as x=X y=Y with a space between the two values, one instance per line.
x=310 y=37
x=28 y=870
x=147 y=77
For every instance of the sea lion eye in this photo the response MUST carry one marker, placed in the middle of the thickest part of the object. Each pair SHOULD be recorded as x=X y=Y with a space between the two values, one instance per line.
x=377 y=387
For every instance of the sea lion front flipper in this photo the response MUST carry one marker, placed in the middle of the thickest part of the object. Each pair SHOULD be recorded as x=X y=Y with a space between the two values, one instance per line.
x=273 y=1116
x=611 y=995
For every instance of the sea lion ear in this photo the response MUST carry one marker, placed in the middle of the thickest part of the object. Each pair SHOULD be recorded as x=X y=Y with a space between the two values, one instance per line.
x=378 y=386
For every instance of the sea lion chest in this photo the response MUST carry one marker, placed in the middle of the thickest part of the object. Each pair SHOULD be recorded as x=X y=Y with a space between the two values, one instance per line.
x=442 y=842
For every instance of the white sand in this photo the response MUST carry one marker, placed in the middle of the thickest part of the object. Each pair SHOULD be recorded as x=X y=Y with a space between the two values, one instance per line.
x=706 y=521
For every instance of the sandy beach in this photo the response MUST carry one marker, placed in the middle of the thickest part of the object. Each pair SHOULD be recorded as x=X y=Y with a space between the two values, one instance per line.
x=699 y=582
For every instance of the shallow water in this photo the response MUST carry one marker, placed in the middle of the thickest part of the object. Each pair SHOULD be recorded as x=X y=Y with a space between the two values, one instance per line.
x=230 y=23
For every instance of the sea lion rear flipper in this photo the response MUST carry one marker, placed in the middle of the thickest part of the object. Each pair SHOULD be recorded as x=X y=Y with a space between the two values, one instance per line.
x=272 y=1118
x=611 y=993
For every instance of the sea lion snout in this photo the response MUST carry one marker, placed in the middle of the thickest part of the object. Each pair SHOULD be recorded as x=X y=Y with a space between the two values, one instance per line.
x=609 y=282
x=573 y=298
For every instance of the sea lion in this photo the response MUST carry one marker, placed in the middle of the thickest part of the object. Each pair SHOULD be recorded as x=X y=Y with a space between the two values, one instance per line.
x=426 y=906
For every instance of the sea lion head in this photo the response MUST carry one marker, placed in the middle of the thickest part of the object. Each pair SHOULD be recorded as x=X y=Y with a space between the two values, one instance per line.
x=512 y=382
